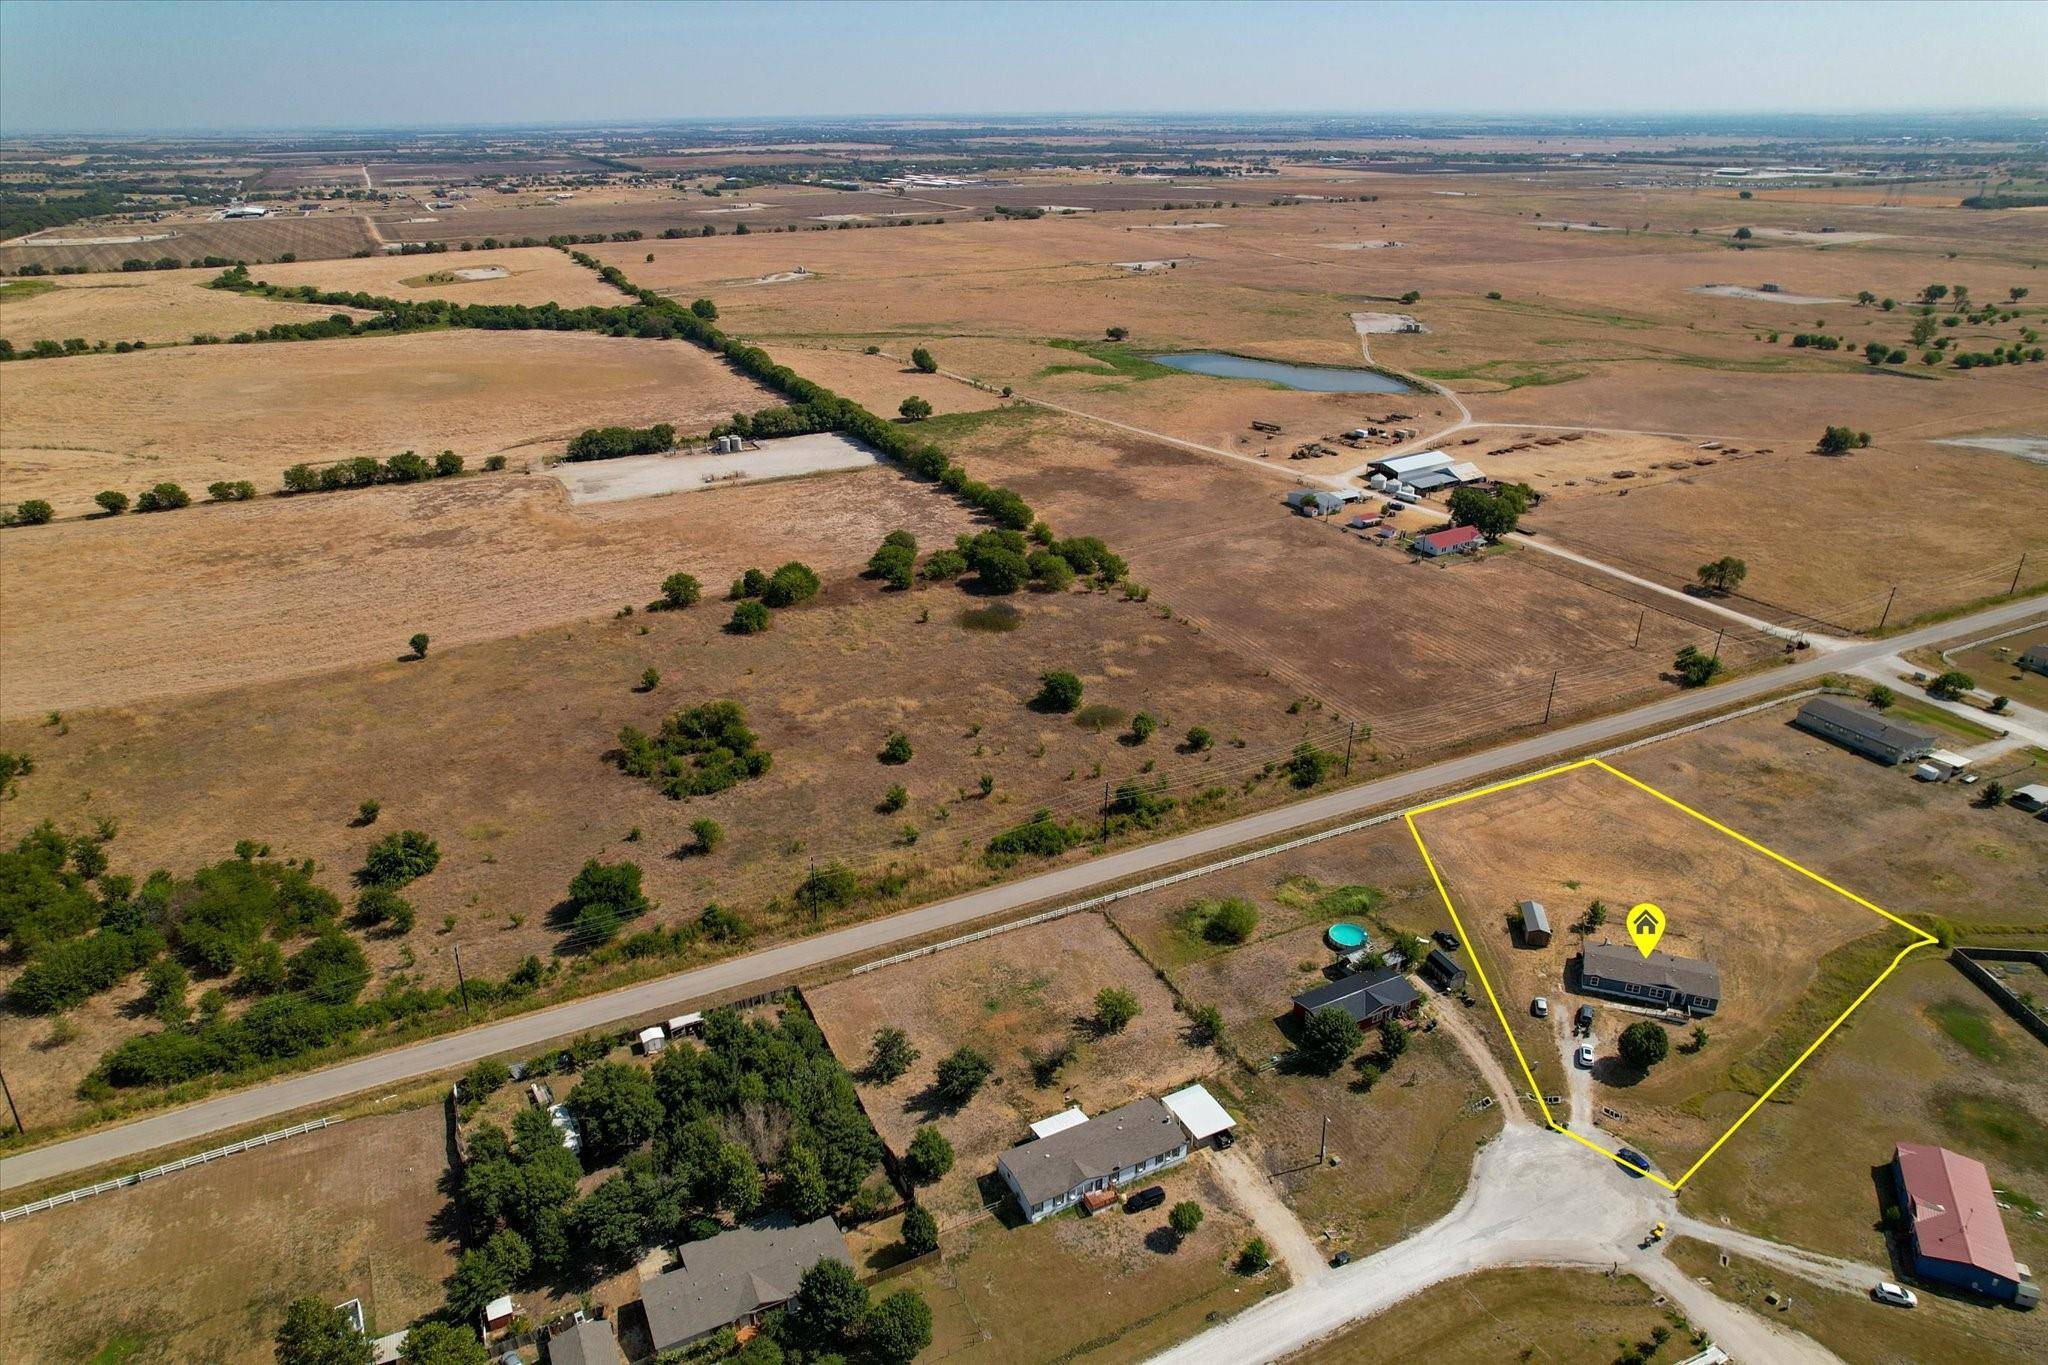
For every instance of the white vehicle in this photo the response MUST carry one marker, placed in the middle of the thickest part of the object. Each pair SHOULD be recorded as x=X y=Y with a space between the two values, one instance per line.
x=1585 y=1057
x=1540 y=1007
x=1887 y=1292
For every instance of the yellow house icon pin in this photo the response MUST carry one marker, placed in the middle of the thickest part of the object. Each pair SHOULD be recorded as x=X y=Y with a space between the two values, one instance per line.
x=1646 y=926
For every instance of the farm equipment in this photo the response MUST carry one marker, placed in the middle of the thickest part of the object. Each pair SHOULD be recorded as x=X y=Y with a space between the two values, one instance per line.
x=1266 y=426
x=1656 y=1236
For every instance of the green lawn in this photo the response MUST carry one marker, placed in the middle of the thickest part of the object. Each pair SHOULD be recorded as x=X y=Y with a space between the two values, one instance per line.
x=1923 y=714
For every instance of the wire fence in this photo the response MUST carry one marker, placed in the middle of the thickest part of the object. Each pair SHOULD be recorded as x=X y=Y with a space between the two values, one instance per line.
x=184 y=1163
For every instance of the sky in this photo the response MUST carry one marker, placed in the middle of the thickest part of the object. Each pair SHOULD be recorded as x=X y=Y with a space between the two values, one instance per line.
x=149 y=66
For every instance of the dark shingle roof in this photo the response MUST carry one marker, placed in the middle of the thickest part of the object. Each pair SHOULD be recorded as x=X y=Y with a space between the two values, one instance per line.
x=590 y=1342
x=1361 y=995
x=1861 y=720
x=1624 y=962
x=727 y=1277
x=1051 y=1166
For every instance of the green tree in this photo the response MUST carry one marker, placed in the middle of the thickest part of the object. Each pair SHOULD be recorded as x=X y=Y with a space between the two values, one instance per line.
x=31 y=512
x=1695 y=667
x=165 y=983
x=914 y=408
x=418 y=644
x=829 y=1300
x=1723 y=575
x=1836 y=440
x=1328 y=1039
x=1117 y=333
x=680 y=590
x=890 y=1054
x=928 y=1157
x=399 y=858
x=705 y=837
x=1198 y=739
x=617 y=1108
x=1205 y=1026
x=960 y=1074
x=1644 y=1044
x=1309 y=765
x=920 y=1231
x=922 y=359
x=794 y=582
x=1058 y=691
x=1493 y=514
x=1881 y=696
x=1143 y=726
x=1184 y=1218
x=111 y=502
x=804 y=1191
x=1393 y=1039
x=650 y=678
x=1951 y=685
x=897 y=1328
x=1255 y=1257
x=163 y=497
x=705 y=309
x=896 y=749
x=433 y=1342
x=1743 y=234
x=1864 y=298
x=602 y=896
x=748 y=618
x=1231 y=921
x=1115 y=1008
x=314 y=1334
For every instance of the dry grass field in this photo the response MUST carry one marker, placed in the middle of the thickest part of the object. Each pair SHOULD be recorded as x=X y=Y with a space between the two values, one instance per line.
x=328 y=233
x=156 y=306
x=1501 y=1315
x=71 y=427
x=532 y=275
x=200 y=1265
x=1014 y=998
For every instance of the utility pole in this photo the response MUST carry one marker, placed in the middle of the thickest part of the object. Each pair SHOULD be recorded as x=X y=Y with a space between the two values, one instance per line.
x=2017 y=568
x=1637 y=643
x=1549 y=699
x=1350 y=734
x=1717 y=643
x=20 y=1129
x=1105 y=809
x=1323 y=1155
x=1888 y=607
x=460 y=983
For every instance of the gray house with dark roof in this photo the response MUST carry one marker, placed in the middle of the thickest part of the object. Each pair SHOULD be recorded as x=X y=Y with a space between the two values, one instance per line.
x=2035 y=659
x=1619 y=971
x=1108 y=1151
x=589 y=1342
x=1370 y=998
x=1864 y=731
x=735 y=1277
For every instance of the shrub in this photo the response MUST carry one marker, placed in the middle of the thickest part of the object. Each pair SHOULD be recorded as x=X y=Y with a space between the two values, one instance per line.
x=928 y=1157
x=680 y=590
x=1694 y=667
x=610 y=443
x=914 y=408
x=31 y=512
x=790 y=584
x=721 y=925
x=1184 y=1218
x=1309 y=765
x=1198 y=739
x=1231 y=921
x=1115 y=1008
x=748 y=618
x=418 y=644
x=1951 y=685
x=705 y=837
x=893 y=800
x=164 y=497
x=494 y=463
x=111 y=502
x=1041 y=836
x=960 y=1075
x=1255 y=1257
x=1058 y=691
x=1881 y=697
x=831 y=887
x=399 y=858
x=699 y=751
x=381 y=905
x=602 y=896
x=1142 y=727
x=922 y=359
x=896 y=750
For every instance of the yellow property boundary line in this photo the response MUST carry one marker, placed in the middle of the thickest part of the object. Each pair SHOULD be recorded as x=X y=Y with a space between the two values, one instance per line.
x=1922 y=939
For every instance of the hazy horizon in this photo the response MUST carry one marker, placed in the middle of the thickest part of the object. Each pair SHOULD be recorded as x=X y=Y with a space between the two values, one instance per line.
x=338 y=65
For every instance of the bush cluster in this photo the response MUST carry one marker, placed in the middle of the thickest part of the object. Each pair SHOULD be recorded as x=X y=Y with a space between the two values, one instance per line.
x=704 y=749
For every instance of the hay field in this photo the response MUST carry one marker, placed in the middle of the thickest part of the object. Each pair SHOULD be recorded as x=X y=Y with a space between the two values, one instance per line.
x=1013 y=998
x=196 y=414
x=533 y=275
x=1497 y=1315
x=200 y=1265
x=155 y=306
x=331 y=233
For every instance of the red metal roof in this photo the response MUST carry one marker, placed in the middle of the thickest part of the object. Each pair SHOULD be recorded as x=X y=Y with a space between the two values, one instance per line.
x=1953 y=1213
x=1451 y=538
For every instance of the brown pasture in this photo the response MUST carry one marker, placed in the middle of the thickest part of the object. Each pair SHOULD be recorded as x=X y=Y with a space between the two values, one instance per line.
x=155 y=306
x=535 y=275
x=329 y=233
x=193 y=415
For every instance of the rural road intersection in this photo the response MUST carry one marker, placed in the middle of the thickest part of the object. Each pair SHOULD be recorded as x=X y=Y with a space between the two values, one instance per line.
x=527 y=1032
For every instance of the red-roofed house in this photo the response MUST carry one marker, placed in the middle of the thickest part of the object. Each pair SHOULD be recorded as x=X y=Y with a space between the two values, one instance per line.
x=1953 y=1226
x=1451 y=540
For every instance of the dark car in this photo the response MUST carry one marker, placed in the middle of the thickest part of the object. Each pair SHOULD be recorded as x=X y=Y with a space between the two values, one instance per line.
x=1584 y=1022
x=1151 y=1197
x=1341 y=1259
x=1448 y=939
x=1223 y=1140
x=1633 y=1160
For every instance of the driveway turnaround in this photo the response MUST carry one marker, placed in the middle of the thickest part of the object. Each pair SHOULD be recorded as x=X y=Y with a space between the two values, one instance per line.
x=652 y=999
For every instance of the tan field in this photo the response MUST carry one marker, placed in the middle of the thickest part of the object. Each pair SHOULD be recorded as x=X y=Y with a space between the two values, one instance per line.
x=334 y=231
x=531 y=275
x=197 y=414
x=200 y=1265
x=156 y=306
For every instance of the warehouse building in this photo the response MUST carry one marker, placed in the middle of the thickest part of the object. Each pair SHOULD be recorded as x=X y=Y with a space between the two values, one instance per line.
x=1953 y=1228
x=1864 y=731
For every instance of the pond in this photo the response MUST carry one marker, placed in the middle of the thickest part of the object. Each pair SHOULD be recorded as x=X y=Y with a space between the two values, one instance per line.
x=1315 y=378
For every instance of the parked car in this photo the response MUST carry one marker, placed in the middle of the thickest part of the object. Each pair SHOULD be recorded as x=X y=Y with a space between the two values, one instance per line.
x=1583 y=1023
x=1637 y=1164
x=1448 y=939
x=1223 y=1140
x=1896 y=1294
x=1540 y=1007
x=1585 y=1057
x=1340 y=1260
x=1151 y=1197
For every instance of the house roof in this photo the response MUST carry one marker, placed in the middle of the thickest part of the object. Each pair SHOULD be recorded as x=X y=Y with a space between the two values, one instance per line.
x=727 y=1277
x=1450 y=538
x=2035 y=654
x=1861 y=720
x=1050 y=1167
x=1535 y=918
x=1199 y=1113
x=1361 y=995
x=1625 y=962
x=590 y=1342
x=1429 y=479
x=1059 y=1123
x=1954 y=1214
x=1441 y=961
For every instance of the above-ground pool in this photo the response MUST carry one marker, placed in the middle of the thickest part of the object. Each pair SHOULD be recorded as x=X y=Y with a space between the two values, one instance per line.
x=1344 y=937
x=1316 y=378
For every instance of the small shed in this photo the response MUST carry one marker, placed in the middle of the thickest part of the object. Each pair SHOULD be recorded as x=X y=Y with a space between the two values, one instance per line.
x=1535 y=924
x=2033 y=796
x=685 y=1023
x=652 y=1039
x=1199 y=1113
x=499 y=1311
x=1310 y=502
x=1443 y=971
x=1059 y=1123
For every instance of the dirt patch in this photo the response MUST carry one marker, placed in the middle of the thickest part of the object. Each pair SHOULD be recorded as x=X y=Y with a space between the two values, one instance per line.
x=646 y=476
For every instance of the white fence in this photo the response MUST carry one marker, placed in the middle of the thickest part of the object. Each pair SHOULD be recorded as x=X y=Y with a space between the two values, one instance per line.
x=122 y=1182
x=1189 y=874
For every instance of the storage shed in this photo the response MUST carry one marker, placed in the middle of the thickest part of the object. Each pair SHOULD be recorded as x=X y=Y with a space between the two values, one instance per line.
x=1535 y=924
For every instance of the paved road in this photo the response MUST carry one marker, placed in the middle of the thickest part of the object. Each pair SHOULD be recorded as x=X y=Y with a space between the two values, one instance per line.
x=652 y=999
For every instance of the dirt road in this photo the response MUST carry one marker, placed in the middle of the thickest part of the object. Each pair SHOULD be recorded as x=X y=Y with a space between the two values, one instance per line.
x=1254 y=1193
